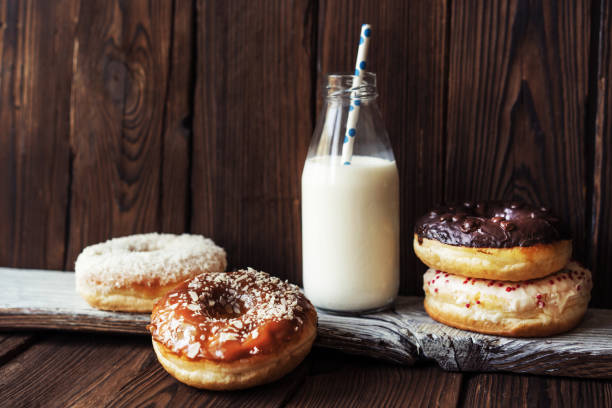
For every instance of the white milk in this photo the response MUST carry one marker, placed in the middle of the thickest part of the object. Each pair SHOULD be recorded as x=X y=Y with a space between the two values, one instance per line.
x=350 y=232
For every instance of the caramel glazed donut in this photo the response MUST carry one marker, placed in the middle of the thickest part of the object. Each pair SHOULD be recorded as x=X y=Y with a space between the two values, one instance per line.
x=225 y=331
x=539 y=307
x=131 y=273
x=492 y=240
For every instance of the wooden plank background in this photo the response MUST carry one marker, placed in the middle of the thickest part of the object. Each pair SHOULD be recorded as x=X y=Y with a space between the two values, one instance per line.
x=119 y=117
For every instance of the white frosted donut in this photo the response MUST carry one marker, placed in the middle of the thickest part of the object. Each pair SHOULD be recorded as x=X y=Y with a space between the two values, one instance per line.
x=538 y=307
x=131 y=273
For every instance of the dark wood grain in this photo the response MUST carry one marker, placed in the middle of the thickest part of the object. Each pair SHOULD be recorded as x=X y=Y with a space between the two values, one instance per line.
x=35 y=76
x=508 y=390
x=601 y=220
x=408 y=54
x=88 y=370
x=252 y=126
x=336 y=380
x=115 y=371
x=176 y=160
x=518 y=79
x=154 y=386
x=13 y=343
x=118 y=97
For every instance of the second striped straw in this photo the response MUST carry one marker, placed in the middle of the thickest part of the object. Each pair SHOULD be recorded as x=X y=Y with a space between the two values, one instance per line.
x=353 y=115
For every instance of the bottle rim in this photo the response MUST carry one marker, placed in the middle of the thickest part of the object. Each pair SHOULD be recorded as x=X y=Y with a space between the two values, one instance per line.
x=340 y=85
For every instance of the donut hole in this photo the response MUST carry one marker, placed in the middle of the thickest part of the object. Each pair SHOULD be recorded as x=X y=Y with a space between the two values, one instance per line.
x=145 y=247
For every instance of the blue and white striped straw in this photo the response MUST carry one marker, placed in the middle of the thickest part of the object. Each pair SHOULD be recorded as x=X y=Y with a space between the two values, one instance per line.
x=353 y=115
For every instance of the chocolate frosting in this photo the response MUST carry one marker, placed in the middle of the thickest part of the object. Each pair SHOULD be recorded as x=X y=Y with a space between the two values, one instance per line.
x=491 y=224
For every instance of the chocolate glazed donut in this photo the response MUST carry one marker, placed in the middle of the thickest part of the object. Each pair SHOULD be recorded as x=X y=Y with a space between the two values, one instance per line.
x=493 y=240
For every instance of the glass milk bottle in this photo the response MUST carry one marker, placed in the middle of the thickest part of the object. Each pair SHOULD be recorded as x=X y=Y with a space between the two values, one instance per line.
x=350 y=212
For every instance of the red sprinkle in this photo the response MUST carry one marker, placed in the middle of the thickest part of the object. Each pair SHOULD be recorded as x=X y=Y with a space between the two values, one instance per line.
x=467 y=305
x=552 y=282
x=464 y=282
x=539 y=296
x=490 y=283
x=558 y=279
x=500 y=284
x=478 y=302
x=508 y=289
x=437 y=271
x=518 y=286
x=436 y=290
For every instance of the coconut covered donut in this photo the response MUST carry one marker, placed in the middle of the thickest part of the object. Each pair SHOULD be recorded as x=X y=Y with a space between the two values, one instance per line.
x=131 y=273
x=538 y=307
x=493 y=240
x=225 y=331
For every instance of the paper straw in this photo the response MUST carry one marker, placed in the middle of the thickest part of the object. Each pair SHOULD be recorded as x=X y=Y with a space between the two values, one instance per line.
x=355 y=103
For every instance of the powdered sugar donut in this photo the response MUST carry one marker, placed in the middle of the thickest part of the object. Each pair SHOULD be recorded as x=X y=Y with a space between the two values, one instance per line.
x=538 y=307
x=131 y=273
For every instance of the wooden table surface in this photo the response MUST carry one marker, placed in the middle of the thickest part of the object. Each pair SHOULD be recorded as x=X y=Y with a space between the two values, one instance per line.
x=55 y=369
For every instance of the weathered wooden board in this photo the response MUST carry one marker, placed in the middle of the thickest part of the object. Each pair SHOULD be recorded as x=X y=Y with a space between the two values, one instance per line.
x=33 y=299
x=47 y=300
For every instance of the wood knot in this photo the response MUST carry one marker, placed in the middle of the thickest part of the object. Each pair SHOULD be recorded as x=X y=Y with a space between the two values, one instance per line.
x=115 y=76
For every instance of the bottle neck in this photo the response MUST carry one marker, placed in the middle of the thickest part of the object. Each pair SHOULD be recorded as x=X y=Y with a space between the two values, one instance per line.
x=350 y=87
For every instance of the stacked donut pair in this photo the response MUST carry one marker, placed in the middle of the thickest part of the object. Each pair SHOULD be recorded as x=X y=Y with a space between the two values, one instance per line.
x=500 y=268
x=211 y=329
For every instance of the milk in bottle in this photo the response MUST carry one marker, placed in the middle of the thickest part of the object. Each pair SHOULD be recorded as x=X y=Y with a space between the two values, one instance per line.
x=350 y=212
